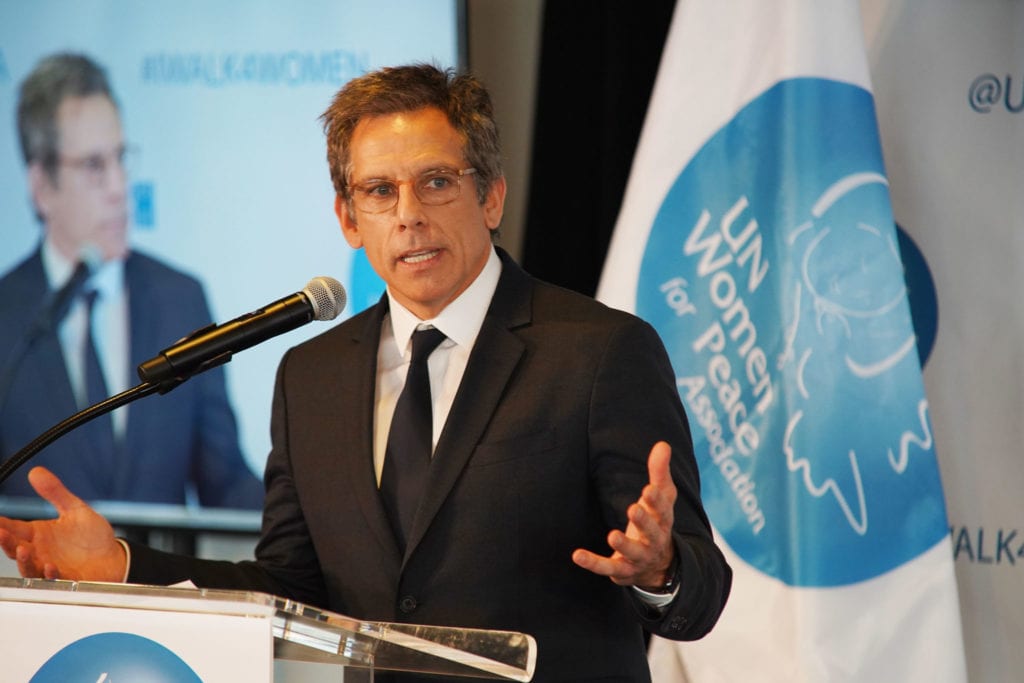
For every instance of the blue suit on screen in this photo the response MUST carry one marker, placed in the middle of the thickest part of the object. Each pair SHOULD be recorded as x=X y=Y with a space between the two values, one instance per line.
x=186 y=439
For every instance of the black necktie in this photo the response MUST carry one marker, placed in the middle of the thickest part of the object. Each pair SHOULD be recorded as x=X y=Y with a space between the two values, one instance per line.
x=410 y=440
x=95 y=384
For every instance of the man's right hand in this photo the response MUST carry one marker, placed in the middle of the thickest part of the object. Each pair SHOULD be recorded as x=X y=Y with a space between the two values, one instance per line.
x=79 y=545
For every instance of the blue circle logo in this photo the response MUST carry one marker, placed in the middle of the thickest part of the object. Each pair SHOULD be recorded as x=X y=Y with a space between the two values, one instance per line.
x=773 y=273
x=114 y=657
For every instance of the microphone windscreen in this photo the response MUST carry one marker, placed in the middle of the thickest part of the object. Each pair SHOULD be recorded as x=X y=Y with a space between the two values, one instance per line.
x=327 y=297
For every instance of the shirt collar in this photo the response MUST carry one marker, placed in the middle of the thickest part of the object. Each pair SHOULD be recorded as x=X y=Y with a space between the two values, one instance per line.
x=461 y=319
x=107 y=278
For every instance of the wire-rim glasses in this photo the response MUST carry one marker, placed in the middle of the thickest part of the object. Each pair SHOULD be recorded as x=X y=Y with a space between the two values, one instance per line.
x=435 y=187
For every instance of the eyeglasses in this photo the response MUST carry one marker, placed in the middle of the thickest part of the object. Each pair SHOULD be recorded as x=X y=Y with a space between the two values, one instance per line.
x=94 y=167
x=434 y=187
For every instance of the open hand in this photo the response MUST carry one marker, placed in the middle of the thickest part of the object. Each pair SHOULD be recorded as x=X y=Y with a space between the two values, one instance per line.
x=644 y=552
x=79 y=545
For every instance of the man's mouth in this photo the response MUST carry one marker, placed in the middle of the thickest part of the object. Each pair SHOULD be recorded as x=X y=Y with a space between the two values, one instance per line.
x=118 y=223
x=419 y=256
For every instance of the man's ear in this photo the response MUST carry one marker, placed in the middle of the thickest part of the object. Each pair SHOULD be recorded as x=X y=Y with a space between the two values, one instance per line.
x=494 y=204
x=349 y=228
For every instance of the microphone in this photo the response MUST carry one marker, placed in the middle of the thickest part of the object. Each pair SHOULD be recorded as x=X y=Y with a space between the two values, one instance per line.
x=54 y=308
x=322 y=299
x=57 y=304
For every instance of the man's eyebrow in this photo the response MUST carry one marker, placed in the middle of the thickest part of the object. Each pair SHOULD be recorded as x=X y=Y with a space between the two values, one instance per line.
x=432 y=168
x=372 y=179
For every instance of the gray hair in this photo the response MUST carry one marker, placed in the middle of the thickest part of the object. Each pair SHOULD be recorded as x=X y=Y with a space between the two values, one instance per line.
x=393 y=90
x=54 y=79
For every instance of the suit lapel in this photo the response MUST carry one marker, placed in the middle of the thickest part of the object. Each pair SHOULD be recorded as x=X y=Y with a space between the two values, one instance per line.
x=495 y=355
x=45 y=358
x=143 y=311
x=359 y=405
x=46 y=351
x=45 y=361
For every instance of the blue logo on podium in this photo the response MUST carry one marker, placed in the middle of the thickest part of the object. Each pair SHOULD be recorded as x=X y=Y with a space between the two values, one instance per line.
x=113 y=658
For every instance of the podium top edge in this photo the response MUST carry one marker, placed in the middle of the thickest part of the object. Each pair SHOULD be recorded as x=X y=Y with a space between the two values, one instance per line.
x=392 y=646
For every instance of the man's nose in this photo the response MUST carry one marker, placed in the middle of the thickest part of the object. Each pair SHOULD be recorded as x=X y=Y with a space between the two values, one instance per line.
x=115 y=181
x=409 y=210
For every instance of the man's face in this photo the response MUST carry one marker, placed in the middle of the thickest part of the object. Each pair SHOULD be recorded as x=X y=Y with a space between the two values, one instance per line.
x=85 y=203
x=428 y=255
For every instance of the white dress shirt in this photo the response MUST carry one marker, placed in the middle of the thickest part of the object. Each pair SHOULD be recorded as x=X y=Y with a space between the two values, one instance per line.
x=110 y=330
x=460 y=321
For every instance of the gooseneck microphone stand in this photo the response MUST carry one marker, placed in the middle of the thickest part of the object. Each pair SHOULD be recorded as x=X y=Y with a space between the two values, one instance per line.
x=8 y=467
x=206 y=348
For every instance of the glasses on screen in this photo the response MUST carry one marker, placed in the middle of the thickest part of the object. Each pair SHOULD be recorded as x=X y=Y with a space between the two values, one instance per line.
x=95 y=167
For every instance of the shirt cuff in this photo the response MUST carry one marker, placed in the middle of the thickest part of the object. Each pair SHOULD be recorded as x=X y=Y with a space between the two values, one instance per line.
x=127 y=558
x=656 y=600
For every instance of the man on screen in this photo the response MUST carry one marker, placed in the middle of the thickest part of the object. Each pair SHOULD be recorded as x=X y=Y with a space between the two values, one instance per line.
x=56 y=361
x=552 y=427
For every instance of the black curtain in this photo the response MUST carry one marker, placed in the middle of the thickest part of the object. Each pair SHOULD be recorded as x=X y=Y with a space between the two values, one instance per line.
x=598 y=62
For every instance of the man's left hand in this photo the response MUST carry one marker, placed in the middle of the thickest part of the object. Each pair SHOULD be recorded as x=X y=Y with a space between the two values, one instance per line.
x=644 y=552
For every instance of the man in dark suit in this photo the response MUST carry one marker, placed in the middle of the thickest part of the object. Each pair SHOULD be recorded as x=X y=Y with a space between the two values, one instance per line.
x=157 y=450
x=557 y=430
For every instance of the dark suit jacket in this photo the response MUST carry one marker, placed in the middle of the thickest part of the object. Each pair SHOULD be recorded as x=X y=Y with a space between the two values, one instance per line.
x=187 y=437
x=544 y=449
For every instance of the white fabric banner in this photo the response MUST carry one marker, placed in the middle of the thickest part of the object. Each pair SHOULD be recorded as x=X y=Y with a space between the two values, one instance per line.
x=757 y=236
x=949 y=82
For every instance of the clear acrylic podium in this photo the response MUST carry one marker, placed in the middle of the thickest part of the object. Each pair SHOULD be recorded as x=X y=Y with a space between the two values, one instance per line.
x=259 y=627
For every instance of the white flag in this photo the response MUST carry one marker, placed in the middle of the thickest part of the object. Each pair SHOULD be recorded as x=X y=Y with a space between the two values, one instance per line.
x=757 y=237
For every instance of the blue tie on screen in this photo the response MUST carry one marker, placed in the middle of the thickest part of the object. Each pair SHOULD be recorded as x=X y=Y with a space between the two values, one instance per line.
x=95 y=384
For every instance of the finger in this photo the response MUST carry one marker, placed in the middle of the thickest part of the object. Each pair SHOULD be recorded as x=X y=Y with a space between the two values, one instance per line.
x=643 y=553
x=26 y=563
x=658 y=466
x=12 y=534
x=49 y=487
x=605 y=566
x=659 y=497
x=652 y=515
x=8 y=543
x=635 y=550
x=644 y=525
x=614 y=568
x=651 y=527
x=16 y=529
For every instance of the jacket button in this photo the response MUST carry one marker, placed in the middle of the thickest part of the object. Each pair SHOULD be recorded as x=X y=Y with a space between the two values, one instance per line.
x=407 y=604
x=677 y=623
